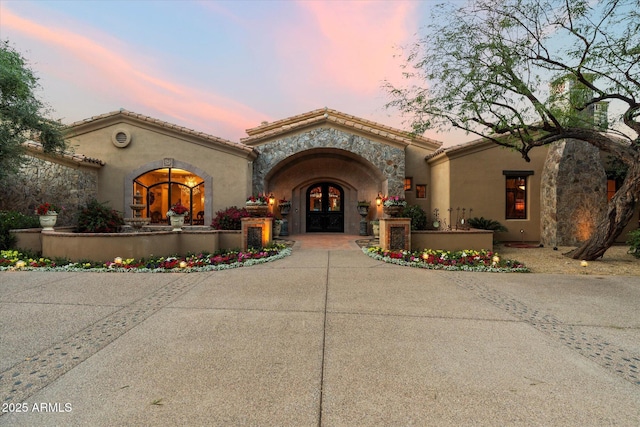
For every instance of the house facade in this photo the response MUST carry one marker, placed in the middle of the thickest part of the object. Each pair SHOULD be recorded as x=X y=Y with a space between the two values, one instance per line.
x=323 y=161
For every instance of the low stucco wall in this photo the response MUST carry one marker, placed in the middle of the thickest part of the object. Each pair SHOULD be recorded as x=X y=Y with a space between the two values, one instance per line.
x=454 y=240
x=105 y=247
x=230 y=239
x=28 y=239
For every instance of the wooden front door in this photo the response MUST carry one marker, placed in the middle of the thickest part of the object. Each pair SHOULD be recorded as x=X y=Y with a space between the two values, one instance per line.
x=325 y=211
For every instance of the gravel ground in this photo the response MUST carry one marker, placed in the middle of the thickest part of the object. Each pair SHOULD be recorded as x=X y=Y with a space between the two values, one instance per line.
x=615 y=262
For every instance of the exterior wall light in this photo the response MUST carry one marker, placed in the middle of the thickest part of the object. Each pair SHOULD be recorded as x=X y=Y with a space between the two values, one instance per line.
x=272 y=199
x=379 y=200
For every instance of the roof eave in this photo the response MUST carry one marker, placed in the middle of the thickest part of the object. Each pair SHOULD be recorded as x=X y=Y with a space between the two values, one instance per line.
x=115 y=117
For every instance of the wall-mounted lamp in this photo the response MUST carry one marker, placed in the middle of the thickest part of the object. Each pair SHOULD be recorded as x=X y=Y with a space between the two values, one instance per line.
x=379 y=199
x=272 y=199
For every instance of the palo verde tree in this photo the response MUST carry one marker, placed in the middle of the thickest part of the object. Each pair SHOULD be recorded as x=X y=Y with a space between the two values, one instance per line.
x=485 y=68
x=22 y=114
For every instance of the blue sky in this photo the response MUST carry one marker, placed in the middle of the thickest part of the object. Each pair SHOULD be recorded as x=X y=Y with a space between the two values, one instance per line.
x=216 y=66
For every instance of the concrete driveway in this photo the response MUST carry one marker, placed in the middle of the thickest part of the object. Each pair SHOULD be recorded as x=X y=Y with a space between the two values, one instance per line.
x=325 y=337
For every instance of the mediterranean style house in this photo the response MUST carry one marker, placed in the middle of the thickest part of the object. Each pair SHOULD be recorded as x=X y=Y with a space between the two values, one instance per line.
x=324 y=162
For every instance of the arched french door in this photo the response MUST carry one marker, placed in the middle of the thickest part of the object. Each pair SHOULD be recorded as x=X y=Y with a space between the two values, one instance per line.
x=325 y=210
x=163 y=188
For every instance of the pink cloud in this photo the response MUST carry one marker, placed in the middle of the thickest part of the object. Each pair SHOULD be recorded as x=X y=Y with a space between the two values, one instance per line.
x=114 y=74
x=354 y=43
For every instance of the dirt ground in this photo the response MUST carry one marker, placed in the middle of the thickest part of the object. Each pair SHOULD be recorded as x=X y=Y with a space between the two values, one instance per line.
x=616 y=261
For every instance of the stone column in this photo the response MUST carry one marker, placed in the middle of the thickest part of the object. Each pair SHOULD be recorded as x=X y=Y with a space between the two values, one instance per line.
x=256 y=232
x=395 y=234
x=573 y=193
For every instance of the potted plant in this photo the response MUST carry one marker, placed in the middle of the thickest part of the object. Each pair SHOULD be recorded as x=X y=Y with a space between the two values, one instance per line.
x=277 y=227
x=48 y=215
x=375 y=227
x=257 y=206
x=285 y=206
x=393 y=205
x=363 y=207
x=176 y=216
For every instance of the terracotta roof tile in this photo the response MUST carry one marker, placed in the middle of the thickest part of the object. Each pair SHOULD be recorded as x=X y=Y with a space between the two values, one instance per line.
x=460 y=147
x=75 y=157
x=268 y=130
x=166 y=125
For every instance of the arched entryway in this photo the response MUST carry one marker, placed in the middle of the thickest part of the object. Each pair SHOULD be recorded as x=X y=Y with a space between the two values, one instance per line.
x=325 y=208
x=357 y=179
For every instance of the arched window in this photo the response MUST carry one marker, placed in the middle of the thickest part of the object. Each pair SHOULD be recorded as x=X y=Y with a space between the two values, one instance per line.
x=163 y=188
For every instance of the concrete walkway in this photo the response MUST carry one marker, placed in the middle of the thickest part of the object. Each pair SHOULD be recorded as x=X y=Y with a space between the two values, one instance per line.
x=325 y=337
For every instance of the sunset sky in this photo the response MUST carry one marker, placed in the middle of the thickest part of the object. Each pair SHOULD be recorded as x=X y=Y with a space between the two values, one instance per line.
x=216 y=66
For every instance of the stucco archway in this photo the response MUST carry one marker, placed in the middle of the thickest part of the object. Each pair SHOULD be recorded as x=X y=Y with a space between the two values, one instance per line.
x=360 y=180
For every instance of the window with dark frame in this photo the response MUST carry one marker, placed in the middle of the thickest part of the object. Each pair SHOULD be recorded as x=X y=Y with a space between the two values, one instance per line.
x=516 y=184
x=421 y=191
x=408 y=183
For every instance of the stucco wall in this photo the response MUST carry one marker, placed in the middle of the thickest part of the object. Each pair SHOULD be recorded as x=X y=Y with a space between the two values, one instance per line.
x=439 y=190
x=452 y=240
x=477 y=182
x=149 y=146
x=416 y=167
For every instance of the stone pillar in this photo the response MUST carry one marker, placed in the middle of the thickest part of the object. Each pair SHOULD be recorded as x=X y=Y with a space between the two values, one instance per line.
x=256 y=232
x=395 y=234
x=573 y=193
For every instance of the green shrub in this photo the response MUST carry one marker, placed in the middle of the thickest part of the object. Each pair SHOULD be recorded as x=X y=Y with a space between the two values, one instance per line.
x=634 y=242
x=229 y=219
x=96 y=217
x=418 y=217
x=11 y=220
x=486 y=224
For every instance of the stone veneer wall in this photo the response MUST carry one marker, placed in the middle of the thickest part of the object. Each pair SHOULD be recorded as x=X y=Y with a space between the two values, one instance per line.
x=388 y=159
x=41 y=181
x=573 y=193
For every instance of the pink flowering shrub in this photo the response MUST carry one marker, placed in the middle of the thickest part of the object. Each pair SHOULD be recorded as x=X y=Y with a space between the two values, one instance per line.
x=229 y=219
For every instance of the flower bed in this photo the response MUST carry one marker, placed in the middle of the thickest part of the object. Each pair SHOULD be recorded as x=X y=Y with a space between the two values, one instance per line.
x=14 y=261
x=467 y=260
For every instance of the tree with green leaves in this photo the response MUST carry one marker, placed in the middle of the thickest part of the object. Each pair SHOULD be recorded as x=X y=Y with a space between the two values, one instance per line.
x=22 y=114
x=485 y=67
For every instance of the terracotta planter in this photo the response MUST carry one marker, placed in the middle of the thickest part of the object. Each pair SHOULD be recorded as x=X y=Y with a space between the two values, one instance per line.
x=257 y=211
x=393 y=211
x=177 y=221
x=48 y=221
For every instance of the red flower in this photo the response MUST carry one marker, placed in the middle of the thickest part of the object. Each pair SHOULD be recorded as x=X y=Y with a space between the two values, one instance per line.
x=179 y=209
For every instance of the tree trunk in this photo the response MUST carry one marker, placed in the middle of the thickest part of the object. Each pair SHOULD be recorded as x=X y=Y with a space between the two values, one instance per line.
x=619 y=212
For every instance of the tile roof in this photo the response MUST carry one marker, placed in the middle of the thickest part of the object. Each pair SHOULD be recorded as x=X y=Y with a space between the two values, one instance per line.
x=74 y=157
x=165 y=125
x=322 y=115
x=460 y=147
